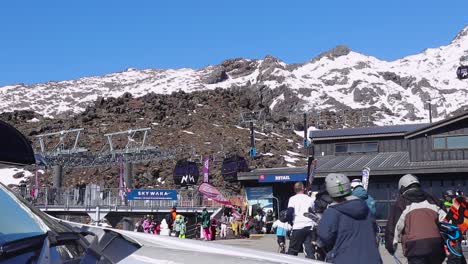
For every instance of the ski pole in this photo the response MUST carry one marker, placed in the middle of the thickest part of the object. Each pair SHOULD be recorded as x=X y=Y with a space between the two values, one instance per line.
x=397 y=261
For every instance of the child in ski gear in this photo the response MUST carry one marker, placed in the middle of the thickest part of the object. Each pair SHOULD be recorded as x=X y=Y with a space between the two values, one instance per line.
x=347 y=229
x=358 y=190
x=214 y=225
x=457 y=215
x=302 y=225
x=413 y=221
x=147 y=224
x=179 y=226
x=282 y=230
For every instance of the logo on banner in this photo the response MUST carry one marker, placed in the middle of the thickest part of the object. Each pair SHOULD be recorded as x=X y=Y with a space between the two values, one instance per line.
x=188 y=179
x=261 y=177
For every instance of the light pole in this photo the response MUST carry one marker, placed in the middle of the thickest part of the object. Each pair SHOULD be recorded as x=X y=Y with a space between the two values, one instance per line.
x=430 y=107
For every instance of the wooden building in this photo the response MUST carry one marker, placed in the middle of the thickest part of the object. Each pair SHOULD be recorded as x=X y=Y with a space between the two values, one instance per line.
x=437 y=153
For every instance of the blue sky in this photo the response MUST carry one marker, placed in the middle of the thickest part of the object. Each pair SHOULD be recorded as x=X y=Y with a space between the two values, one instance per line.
x=60 y=40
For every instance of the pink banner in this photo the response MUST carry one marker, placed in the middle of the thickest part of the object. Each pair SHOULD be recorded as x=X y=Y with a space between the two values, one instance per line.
x=209 y=191
x=206 y=169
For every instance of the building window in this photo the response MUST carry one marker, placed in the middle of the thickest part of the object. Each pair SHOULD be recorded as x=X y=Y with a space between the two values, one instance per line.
x=356 y=147
x=450 y=142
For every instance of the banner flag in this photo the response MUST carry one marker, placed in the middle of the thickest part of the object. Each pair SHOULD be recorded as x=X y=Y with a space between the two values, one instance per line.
x=209 y=191
x=206 y=169
x=365 y=177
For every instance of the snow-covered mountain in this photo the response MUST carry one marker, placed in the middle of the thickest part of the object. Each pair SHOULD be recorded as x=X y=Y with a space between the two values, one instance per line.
x=397 y=91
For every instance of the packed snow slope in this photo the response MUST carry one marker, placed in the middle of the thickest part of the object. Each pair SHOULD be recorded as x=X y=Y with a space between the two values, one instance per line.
x=339 y=79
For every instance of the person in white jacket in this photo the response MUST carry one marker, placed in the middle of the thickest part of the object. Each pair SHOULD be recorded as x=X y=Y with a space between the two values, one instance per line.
x=282 y=230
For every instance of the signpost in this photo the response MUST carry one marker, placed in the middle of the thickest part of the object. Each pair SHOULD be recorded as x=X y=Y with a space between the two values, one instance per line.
x=283 y=177
x=143 y=194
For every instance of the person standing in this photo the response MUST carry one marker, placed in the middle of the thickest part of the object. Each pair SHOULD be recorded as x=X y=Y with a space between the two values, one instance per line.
x=358 y=190
x=457 y=215
x=147 y=224
x=413 y=220
x=81 y=192
x=224 y=221
x=269 y=221
x=205 y=223
x=347 y=230
x=179 y=226
x=214 y=225
x=302 y=225
x=282 y=230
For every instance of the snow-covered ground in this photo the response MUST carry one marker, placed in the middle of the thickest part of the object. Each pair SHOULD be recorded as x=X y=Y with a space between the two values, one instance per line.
x=6 y=175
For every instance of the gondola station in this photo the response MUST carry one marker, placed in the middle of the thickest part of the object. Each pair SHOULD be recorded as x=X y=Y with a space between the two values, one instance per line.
x=436 y=152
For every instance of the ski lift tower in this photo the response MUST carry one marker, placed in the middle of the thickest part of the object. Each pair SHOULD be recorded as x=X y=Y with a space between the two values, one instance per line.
x=251 y=118
x=67 y=146
x=136 y=143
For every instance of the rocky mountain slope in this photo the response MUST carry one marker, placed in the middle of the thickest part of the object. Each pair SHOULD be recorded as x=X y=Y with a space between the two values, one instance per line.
x=198 y=111
x=339 y=79
x=192 y=124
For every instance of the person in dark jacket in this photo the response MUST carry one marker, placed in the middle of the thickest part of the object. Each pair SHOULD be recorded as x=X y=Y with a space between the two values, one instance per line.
x=347 y=229
x=457 y=215
x=205 y=223
x=413 y=220
x=361 y=193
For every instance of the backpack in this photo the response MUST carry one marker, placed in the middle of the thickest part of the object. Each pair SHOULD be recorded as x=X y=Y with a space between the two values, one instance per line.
x=322 y=200
x=287 y=215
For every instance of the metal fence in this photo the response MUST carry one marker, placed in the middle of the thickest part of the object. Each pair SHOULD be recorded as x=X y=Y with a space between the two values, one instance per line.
x=93 y=196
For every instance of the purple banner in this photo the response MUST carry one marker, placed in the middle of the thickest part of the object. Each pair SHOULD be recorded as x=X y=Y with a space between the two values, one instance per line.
x=206 y=169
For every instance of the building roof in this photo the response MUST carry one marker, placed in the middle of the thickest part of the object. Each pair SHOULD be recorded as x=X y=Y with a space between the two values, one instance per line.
x=385 y=163
x=437 y=125
x=345 y=133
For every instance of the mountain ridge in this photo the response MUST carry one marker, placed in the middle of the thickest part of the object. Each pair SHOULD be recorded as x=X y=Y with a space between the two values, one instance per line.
x=339 y=79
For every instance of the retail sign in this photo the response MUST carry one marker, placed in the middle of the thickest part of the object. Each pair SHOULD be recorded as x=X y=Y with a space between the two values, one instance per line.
x=282 y=177
x=144 y=194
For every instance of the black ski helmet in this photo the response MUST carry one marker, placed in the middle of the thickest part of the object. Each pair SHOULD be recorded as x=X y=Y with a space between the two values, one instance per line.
x=449 y=194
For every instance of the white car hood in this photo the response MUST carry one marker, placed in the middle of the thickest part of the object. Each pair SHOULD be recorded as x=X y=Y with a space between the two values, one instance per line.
x=171 y=250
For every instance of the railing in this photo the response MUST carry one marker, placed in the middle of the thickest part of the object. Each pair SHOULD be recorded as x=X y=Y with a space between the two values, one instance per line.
x=93 y=196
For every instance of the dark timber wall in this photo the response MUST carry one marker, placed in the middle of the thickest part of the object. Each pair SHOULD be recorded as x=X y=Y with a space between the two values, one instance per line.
x=386 y=144
x=420 y=147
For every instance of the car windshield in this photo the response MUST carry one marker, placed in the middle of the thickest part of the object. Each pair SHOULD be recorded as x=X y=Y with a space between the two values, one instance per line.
x=17 y=220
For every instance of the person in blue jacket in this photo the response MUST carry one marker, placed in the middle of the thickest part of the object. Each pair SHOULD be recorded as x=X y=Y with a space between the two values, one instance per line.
x=361 y=193
x=347 y=230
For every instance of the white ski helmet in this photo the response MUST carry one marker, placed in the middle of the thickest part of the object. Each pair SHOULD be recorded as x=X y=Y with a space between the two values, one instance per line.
x=337 y=185
x=406 y=181
x=355 y=183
